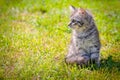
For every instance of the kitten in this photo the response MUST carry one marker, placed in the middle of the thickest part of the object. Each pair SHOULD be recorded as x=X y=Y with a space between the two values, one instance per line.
x=85 y=43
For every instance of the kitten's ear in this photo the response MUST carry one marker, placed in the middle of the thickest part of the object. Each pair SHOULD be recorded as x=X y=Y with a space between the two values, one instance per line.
x=72 y=8
x=89 y=13
x=82 y=11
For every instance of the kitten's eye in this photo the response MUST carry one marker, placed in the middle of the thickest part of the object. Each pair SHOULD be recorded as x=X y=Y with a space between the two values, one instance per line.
x=73 y=20
x=80 y=22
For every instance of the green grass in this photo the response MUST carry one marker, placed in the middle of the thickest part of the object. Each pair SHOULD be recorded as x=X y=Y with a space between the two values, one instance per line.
x=34 y=38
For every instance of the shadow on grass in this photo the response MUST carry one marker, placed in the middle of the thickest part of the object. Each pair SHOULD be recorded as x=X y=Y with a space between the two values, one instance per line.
x=108 y=63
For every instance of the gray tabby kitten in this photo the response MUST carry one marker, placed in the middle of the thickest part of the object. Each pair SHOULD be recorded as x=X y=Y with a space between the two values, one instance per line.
x=85 y=43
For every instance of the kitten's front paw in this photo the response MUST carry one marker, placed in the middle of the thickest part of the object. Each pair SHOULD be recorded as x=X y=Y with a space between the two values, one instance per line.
x=84 y=60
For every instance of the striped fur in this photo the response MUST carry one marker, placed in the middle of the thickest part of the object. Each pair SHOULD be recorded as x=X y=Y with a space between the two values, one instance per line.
x=85 y=43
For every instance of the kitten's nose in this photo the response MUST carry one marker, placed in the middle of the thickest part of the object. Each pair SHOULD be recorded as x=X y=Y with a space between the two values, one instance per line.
x=69 y=24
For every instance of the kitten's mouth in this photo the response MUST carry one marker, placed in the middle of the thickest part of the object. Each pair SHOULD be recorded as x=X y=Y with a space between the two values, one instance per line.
x=72 y=25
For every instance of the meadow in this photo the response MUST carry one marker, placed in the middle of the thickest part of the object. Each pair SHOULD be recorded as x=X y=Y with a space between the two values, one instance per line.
x=34 y=39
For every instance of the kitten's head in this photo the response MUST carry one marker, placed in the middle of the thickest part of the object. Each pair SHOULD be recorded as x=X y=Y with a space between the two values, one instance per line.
x=79 y=18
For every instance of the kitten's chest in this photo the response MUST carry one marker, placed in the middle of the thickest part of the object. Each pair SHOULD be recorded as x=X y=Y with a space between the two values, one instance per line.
x=83 y=43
